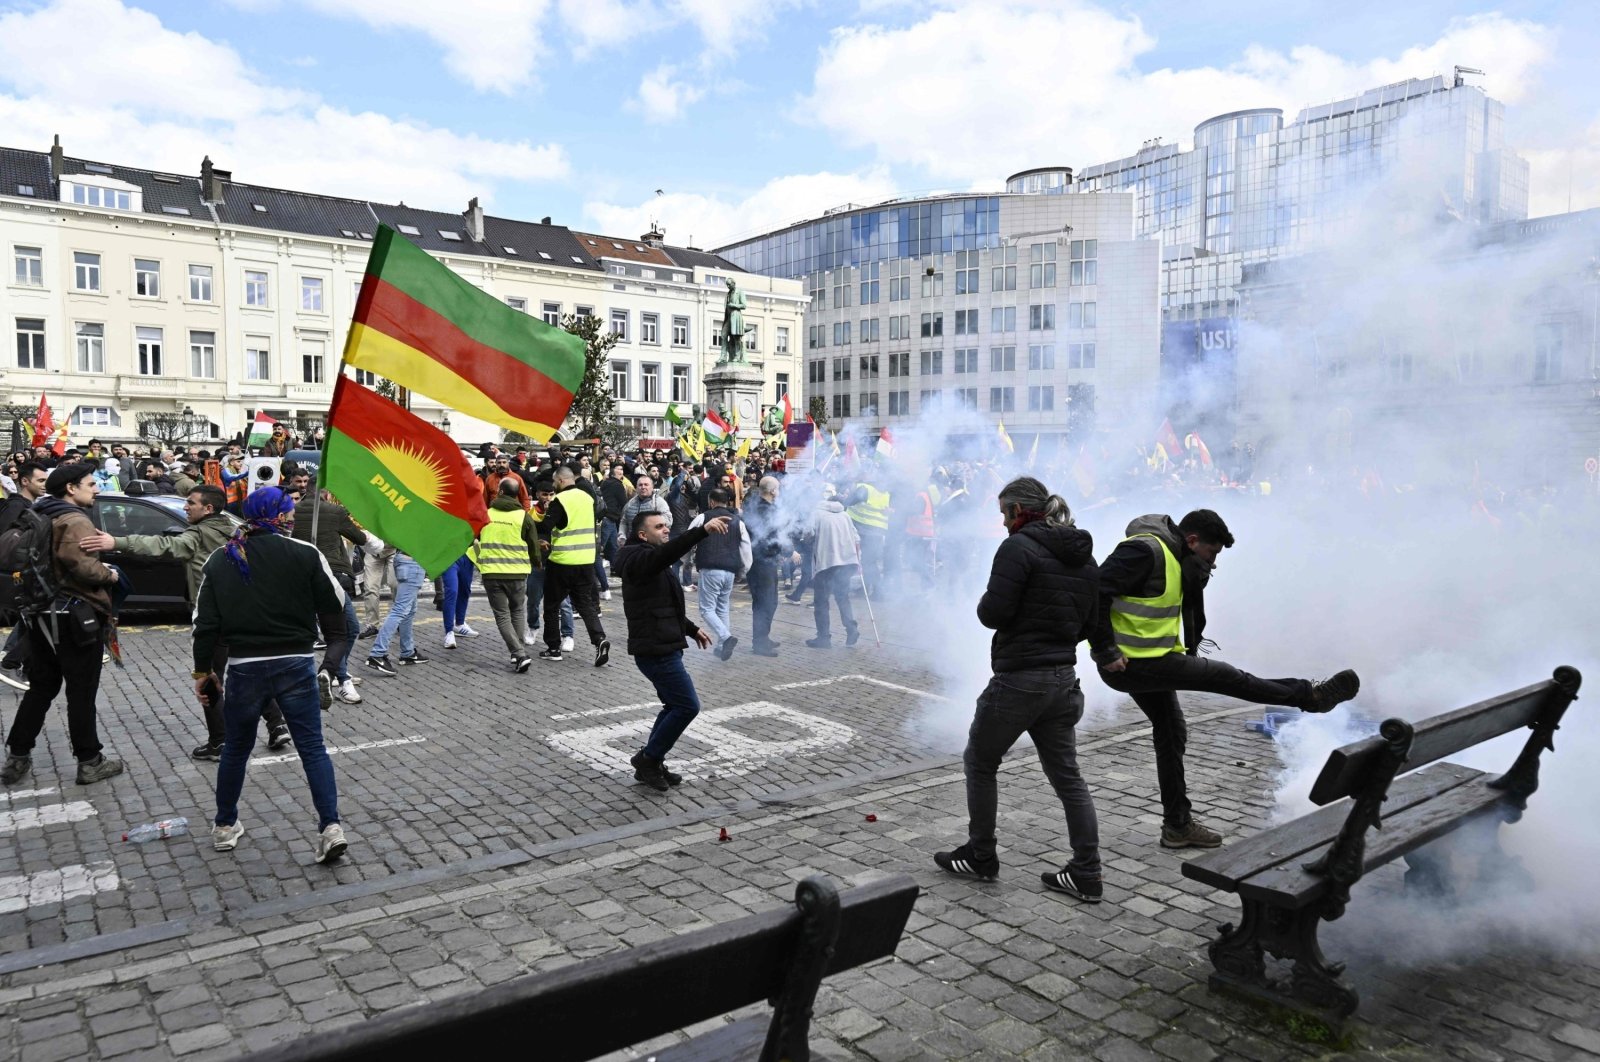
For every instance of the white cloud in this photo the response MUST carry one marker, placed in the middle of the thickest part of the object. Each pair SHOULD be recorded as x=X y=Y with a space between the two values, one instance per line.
x=608 y=23
x=214 y=104
x=712 y=220
x=726 y=24
x=662 y=98
x=977 y=90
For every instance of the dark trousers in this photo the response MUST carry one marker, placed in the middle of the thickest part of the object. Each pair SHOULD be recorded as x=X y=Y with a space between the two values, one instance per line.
x=1153 y=683
x=1045 y=704
x=763 y=580
x=806 y=575
x=216 y=729
x=49 y=668
x=577 y=582
x=874 y=548
x=834 y=584
x=679 y=701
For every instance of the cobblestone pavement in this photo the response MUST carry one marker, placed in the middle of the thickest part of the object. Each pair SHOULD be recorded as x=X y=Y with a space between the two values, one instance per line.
x=495 y=831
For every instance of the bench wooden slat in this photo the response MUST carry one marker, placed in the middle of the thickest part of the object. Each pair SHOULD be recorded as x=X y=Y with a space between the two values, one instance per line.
x=1434 y=739
x=1291 y=885
x=1291 y=842
x=737 y=1042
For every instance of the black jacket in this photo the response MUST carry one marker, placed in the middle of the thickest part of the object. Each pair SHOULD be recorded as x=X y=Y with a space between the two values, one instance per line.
x=291 y=588
x=614 y=496
x=1131 y=571
x=652 y=597
x=1042 y=599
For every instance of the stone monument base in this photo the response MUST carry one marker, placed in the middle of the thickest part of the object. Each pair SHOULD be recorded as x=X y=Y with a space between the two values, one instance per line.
x=736 y=389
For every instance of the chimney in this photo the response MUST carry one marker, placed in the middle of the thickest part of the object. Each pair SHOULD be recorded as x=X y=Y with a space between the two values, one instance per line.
x=212 y=180
x=474 y=216
x=56 y=157
x=655 y=237
x=545 y=220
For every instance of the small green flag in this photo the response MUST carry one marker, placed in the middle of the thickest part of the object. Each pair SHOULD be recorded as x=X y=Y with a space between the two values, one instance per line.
x=673 y=415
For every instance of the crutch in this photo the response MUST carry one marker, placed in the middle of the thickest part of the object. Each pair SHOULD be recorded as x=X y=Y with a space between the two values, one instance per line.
x=867 y=596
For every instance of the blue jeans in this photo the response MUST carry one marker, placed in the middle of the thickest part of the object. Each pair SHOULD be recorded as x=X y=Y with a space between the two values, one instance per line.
x=457 y=591
x=679 y=702
x=404 y=609
x=536 y=604
x=292 y=682
x=352 y=626
x=716 y=592
x=608 y=538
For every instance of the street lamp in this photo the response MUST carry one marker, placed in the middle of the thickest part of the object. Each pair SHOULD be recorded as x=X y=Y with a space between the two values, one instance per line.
x=444 y=423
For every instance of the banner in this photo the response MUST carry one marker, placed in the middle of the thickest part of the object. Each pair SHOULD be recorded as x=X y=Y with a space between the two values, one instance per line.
x=798 y=453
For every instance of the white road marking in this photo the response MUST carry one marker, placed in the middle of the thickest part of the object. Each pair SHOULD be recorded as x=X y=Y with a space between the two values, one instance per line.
x=23 y=794
x=618 y=710
x=49 y=815
x=334 y=750
x=860 y=678
x=605 y=748
x=55 y=885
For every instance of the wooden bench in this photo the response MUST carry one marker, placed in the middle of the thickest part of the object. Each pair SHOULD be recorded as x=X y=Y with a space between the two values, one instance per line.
x=605 y=1004
x=1296 y=875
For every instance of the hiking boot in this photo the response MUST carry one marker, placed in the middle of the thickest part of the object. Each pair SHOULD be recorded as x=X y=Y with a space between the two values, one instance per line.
x=278 y=736
x=521 y=664
x=98 y=770
x=1332 y=692
x=725 y=650
x=208 y=751
x=650 y=772
x=1089 y=890
x=346 y=691
x=16 y=769
x=602 y=652
x=1192 y=835
x=672 y=777
x=381 y=665
x=13 y=675
x=853 y=636
x=963 y=863
x=331 y=844
x=820 y=643
x=415 y=657
x=226 y=838
x=550 y=654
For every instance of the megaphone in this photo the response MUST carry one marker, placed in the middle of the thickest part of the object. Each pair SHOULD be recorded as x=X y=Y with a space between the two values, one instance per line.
x=264 y=472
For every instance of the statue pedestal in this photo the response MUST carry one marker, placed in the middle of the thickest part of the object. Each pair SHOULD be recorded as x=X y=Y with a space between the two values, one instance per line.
x=736 y=388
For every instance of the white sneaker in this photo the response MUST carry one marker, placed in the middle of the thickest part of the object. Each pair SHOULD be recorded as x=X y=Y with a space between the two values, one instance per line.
x=466 y=631
x=224 y=838
x=605 y=595
x=331 y=844
x=529 y=639
x=449 y=639
x=346 y=692
x=567 y=645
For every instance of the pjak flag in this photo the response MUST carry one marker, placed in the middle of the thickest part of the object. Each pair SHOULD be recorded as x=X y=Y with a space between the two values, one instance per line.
x=401 y=477
x=422 y=326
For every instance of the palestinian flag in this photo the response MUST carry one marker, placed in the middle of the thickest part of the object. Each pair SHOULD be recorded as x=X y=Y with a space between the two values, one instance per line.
x=401 y=477
x=261 y=430
x=716 y=429
x=422 y=326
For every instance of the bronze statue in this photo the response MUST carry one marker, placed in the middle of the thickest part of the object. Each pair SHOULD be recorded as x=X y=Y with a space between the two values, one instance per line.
x=733 y=328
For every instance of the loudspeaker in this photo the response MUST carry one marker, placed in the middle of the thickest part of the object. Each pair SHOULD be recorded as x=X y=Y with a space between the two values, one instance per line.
x=264 y=471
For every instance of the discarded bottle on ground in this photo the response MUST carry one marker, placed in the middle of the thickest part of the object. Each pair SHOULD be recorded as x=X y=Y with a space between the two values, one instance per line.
x=153 y=831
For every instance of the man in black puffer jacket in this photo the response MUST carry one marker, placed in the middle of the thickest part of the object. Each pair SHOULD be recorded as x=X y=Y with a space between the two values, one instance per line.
x=1041 y=600
x=652 y=599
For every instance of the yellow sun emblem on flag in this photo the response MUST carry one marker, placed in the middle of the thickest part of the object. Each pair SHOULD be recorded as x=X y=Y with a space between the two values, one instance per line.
x=420 y=471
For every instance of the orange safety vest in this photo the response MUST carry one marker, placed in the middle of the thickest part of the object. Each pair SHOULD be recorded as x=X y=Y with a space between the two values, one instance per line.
x=920 y=525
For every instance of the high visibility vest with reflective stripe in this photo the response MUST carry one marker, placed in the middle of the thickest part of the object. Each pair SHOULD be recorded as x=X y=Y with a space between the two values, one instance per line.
x=920 y=525
x=874 y=510
x=575 y=543
x=500 y=549
x=1151 y=626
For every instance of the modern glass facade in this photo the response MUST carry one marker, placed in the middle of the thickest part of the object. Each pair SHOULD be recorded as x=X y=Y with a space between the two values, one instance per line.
x=863 y=236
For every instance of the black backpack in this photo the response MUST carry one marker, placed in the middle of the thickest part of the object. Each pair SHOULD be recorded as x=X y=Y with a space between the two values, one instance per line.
x=28 y=582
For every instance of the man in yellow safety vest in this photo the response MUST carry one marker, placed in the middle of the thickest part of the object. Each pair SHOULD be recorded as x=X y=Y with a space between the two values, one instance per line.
x=573 y=544
x=504 y=554
x=869 y=511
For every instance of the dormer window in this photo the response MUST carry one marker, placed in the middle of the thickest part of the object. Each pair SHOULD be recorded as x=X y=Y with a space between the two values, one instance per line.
x=259 y=208
x=103 y=192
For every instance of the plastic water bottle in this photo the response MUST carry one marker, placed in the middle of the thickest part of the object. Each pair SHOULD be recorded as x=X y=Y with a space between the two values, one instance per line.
x=152 y=831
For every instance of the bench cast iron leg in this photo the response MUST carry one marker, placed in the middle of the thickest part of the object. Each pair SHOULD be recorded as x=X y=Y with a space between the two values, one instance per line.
x=1314 y=986
x=1430 y=875
x=789 y=1035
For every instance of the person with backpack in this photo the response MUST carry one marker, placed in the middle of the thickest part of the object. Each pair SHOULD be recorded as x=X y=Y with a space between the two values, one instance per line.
x=65 y=599
x=720 y=559
x=30 y=480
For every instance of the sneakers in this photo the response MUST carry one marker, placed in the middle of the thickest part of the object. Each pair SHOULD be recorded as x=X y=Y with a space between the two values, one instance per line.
x=324 y=692
x=550 y=654
x=346 y=692
x=449 y=639
x=530 y=638
x=567 y=644
x=466 y=631
x=725 y=650
x=1074 y=885
x=381 y=665
x=208 y=752
x=320 y=643
x=278 y=736
x=650 y=772
x=602 y=652
x=13 y=675
x=416 y=657
x=226 y=838
x=98 y=769
x=521 y=664
x=370 y=632
x=820 y=643
x=1193 y=835
x=331 y=844
x=854 y=635
x=963 y=863
x=1332 y=692
x=605 y=595
x=16 y=769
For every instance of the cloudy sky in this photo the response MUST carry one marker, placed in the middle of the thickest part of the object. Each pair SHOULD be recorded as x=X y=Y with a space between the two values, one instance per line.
x=745 y=114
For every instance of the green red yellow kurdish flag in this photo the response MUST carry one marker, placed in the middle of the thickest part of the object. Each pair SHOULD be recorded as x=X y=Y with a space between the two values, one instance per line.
x=401 y=477
x=422 y=326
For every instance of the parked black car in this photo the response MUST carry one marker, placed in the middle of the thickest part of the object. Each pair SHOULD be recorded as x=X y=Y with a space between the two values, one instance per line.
x=158 y=582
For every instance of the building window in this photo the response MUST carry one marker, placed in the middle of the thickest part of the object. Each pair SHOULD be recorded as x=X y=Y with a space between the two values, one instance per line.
x=1548 y=341
x=818 y=291
x=752 y=337
x=517 y=304
x=869 y=283
x=258 y=360
x=841 y=405
x=93 y=195
x=619 y=325
x=841 y=290
x=966 y=322
x=147 y=342
x=1004 y=273
x=311 y=294
x=94 y=417
x=966 y=361
x=619 y=380
x=1081 y=315
x=782 y=387
x=147 y=278
x=30 y=343
x=583 y=311
x=1003 y=319
x=203 y=355
x=816 y=371
x=1041 y=317
x=1084 y=266
x=900 y=364
x=1080 y=355
x=649 y=383
x=869 y=330
x=869 y=404
x=29 y=266
x=930 y=400
x=841 y=333
x=1041 y=399
x=1042 y=356
x=1002 y=359
x=255 y=288
x=841 y=369
x=91 y=347
x=932 y=285
x=85 y=271
x=650 y=330
x=200 y=283
x=551 y=312
x=1042 y=265
x=900 y=281
x=366 y=378
x=782 y=344
x=680 y=383
x=1002 y=399
x=966 y=397
x=933 y=363
x=967 y=272
x=932 y=325
x=312 y=356
x=900 y=327
x=869 y=366
x=899 y=403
